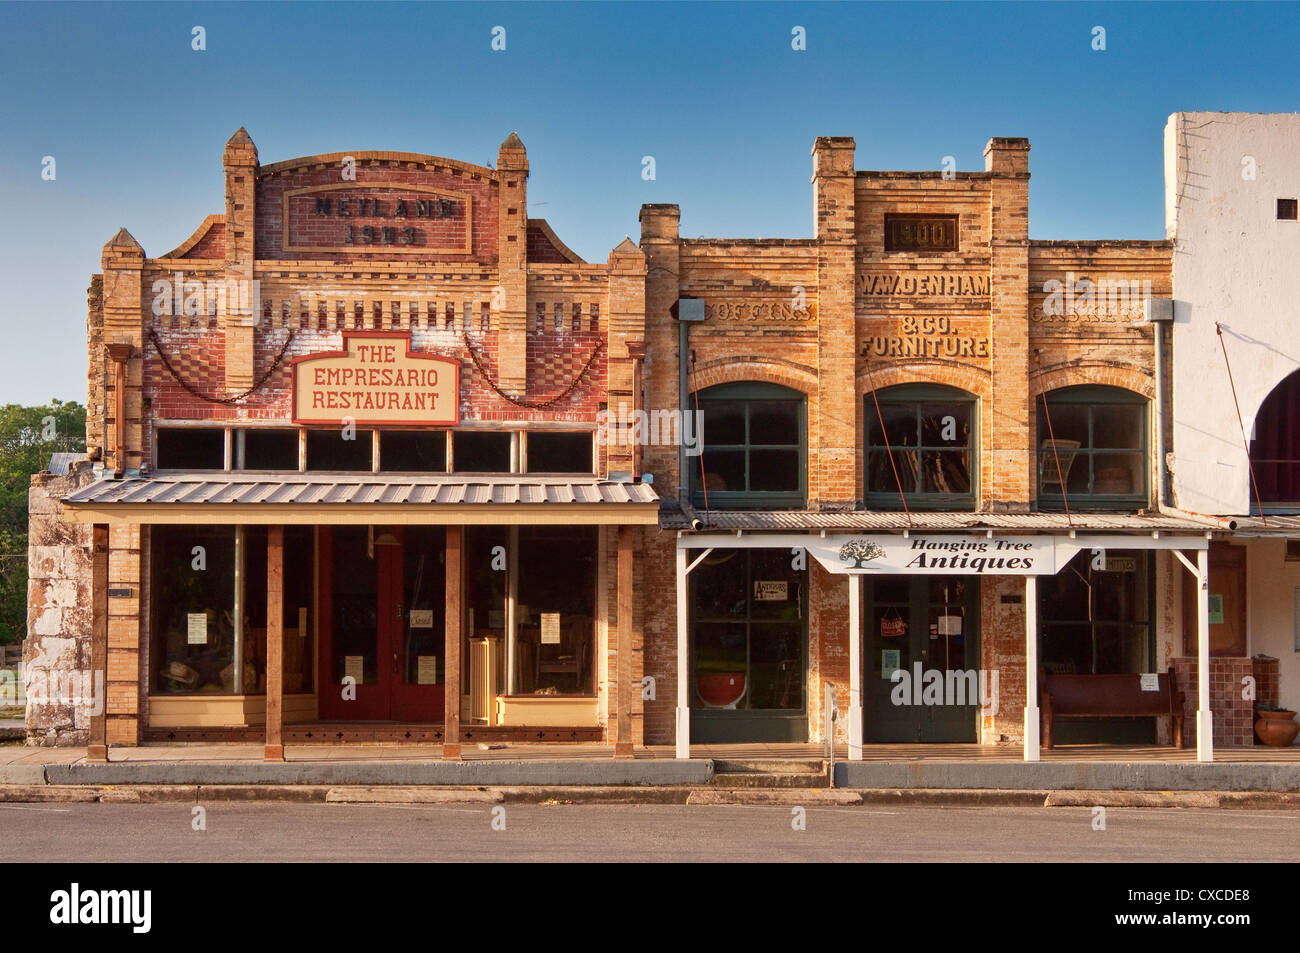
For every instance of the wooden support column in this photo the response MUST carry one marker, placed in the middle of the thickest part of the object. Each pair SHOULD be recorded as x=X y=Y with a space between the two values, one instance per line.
x=623 y=711
x=454 y=597
x=274 y=750
x=97 y=744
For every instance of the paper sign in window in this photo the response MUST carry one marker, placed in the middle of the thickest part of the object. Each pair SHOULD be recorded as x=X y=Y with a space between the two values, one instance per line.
x=1150 y=682
x=422 y=619
x=198 y=628
x=426 y=669
x=1216 y=609
x=550 y=628
x=950 y=625
x=889 y=659
x=354 y=667
x=771 y=591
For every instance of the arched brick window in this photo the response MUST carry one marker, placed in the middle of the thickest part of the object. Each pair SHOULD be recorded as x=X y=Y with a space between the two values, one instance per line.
x=755 y=447
x=1275 y=447
x=1099 y=460
x=933 y=437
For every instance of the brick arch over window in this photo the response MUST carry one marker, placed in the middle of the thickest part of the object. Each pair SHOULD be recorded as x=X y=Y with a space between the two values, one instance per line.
x=1275 y=443
x=1052 y=378
x=973 y=380
x=765 y=370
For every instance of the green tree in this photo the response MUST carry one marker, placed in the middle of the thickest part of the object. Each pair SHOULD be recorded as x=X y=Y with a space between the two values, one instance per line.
x=28 y=437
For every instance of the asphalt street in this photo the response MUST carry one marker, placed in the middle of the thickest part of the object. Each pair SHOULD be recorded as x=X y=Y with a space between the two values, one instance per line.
x=251 y=832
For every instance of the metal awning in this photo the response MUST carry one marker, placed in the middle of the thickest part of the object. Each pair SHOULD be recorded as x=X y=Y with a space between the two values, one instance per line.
x=362 y=498
x=793 y=521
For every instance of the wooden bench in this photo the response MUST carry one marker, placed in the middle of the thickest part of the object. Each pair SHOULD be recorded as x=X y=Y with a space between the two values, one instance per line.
x=1109 y=696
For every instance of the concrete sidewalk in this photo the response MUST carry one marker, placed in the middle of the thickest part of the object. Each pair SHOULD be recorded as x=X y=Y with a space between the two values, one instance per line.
x=904 y=768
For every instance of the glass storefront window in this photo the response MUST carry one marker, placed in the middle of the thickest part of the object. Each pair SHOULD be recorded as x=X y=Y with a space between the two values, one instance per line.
x=747 y=627
x=1094 y=620
x=555 y=611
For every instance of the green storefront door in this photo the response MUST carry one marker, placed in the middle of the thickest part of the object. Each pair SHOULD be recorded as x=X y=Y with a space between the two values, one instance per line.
x=934 y=621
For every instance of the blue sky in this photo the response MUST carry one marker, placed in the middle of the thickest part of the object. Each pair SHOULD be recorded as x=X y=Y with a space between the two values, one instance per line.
x=136 y=119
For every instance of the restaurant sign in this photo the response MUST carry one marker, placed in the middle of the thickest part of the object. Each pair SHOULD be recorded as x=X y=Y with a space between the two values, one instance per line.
x=926 y=555
x=376 y=379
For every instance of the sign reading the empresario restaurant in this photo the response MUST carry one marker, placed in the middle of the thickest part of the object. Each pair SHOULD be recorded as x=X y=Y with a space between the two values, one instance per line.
x=376 y=379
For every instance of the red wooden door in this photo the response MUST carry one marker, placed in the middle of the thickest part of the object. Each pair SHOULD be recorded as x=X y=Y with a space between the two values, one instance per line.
x=356 y=669
x=417 y=617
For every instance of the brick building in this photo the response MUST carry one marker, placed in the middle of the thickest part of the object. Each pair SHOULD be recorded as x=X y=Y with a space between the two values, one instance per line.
x=436 y=478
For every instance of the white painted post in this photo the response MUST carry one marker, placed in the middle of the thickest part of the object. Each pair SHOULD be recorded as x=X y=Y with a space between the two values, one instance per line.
x=855 y=667
x=1204 y=717
x=683 y=697
x=1031 y=668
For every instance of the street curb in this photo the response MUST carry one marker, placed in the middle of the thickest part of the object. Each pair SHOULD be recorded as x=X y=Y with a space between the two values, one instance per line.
x=1223 y=800
x=801 y=797
x=492 y=773
x=944 y=797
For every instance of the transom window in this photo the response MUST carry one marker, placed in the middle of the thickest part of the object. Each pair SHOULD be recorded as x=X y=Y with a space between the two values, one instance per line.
x=931 y=433
x=754 y=448
x=1095 y=451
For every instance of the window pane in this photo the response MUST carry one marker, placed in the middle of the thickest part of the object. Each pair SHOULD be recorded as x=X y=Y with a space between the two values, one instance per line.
x=556 y=605
x=945 y=424
x=719 y=584
x=421 y=451
x=774 y=470
x=485 y=451
x=774 y=422
x=1117 y=427
x=182 y=596
x=900 y=421
x=947 y=471
x=1117 y=474
x=724 y=422
x=775 y=665
x=330 y=450
x=355 y=606
x=184 y=448
x=880 y=476
x=720 y=664
x=1069 y=422
x=270 y=449
x=559 y=452
x=724 y=470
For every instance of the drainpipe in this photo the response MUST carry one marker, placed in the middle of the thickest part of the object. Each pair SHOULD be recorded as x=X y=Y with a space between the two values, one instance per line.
x=683 y=342
x=1160 y=413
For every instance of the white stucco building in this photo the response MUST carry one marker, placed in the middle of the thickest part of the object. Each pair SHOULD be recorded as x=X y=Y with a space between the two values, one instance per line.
x=1232 y=181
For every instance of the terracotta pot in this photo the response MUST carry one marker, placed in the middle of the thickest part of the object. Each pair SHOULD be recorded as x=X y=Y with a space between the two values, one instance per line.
x=1276 y=728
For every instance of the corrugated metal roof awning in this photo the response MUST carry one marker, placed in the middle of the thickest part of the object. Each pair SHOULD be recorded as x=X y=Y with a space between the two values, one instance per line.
x=362 y=498
x=878 y=520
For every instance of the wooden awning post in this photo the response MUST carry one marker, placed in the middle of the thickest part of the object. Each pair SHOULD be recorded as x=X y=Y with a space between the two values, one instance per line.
x=97 y=742
x=623 y=712
x=855 y=670
x=1204 y=717
x=452 y=626
x=1031 y=669
x=274 y=750
x=683 y=696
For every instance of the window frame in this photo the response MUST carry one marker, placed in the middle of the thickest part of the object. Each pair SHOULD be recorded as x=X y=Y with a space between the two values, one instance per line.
x=1090 y=397
x=918 y=395
x=749 y=393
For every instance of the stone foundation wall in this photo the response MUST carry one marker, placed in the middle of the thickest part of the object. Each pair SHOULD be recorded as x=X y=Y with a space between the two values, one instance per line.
x=56 y=652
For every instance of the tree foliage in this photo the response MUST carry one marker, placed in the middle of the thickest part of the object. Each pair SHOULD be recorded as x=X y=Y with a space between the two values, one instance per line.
x=28 y=437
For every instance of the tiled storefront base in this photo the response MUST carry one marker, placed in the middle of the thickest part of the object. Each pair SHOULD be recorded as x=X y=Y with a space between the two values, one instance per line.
x=1234 y=715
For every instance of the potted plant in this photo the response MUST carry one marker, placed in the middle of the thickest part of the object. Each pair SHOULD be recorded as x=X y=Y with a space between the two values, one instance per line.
x=1275 y=725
